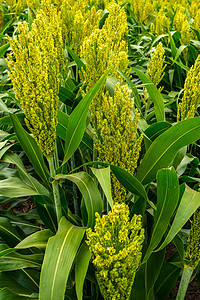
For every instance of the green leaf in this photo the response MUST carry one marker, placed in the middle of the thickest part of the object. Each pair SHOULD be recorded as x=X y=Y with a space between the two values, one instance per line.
x=14 y=187
x=6 y=294
x=163 y=150
x=190 y=201
x=46 y=211
x=14 y=261
x=153 y=268
x=6 y=120
x=166 y=280
x=185 y=280
x=79 y=62
x=62 y=125
x=31 y=149
x=66 y=96
x=103 y=176
x=90 y=192
x=157 y=129
x=6 y=251
x=59 y=257
x=9 y=233
x=138 y=289
x=167 y=200
x=154 y=94
x=177 y=69
x=81 y=267
x=77 y=120
x=4 y=48
x=131 y=183
x=6 y=281
x=4 y=150
x=13 y=158
x=38 y=239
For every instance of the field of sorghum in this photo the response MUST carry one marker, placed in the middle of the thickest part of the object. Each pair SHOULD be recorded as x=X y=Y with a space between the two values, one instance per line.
x=99 y=148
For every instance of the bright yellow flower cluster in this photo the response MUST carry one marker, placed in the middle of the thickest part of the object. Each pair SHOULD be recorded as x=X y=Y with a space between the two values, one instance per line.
x=161 y=25
x=179 y=19
x=142 y=10
x=185 y=34
x=196 y=23
x=193 y=243
x=156 y=65
x=105 y=49
x=116 y=139
x=35 y=73
x=16 y=5
x=191 y=97
x=79 y=20
x=33 y=3
x=116 y=251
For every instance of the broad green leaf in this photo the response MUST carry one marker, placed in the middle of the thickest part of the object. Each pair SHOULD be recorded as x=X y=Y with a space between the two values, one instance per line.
x=13 y=158
x=6 y=281
x=6 y=251
x=130 y=182
x=138 y=289
x=185 y=280
x=190 y=201
x=3 y=106
x=177 y=70
x=14 y=187
x=166 y=280
x=6 y=120
x=66 y=96
x=179 y=156
x=81 y=267
x=153 y=267
x=27 y=277
x=31 y=149
x=163 y=150
x=4 y=150
x=38 y=239
x=157 y=129
x=103 y=176
x=46 y=211
x=167 y=200
x=154 y=94
x=59 y=257
x=79 y=62
x=14 y=261
x=9 y=233
x=62 y=125
x=90 y=192
x=6 y=294
x=4 y=48
x=77 y=120
x=153 y=131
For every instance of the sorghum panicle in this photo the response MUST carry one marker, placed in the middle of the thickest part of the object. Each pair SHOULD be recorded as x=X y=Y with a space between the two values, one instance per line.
x=193 y=243
x=191 y=97
x=156 y=66
x=35 y=74
x=116 y=139
x=116 y=247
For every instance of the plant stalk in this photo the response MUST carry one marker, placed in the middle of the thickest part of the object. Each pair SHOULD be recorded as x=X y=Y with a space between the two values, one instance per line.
x=55 y=187
x=185 y=280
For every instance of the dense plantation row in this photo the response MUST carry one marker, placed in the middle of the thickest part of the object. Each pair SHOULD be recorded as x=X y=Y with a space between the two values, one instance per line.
x=99 y=149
